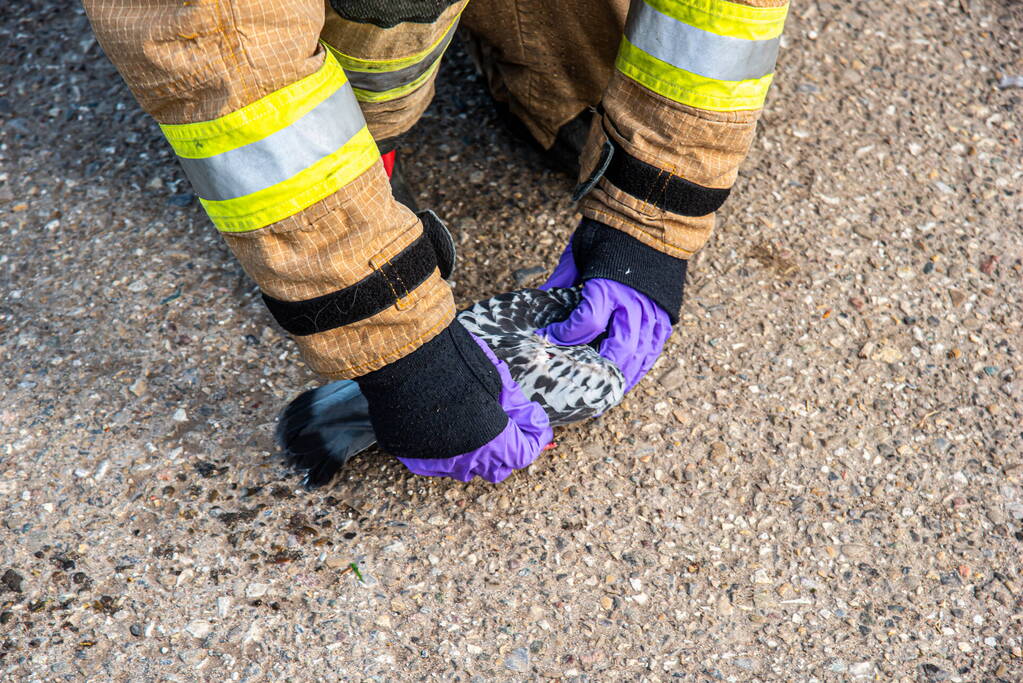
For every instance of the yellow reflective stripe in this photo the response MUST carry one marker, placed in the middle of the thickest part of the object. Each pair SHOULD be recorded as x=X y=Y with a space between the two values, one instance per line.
x=278 y=155
x=395 y=93
x=286 y=198
x=689 y=88
x=356 y=64
x=726 y=18
x=256 y=121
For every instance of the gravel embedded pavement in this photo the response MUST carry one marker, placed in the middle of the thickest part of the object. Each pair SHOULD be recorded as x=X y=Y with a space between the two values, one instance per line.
x=821 y=480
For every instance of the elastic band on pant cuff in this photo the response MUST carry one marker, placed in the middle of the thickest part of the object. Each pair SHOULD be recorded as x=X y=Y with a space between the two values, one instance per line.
x=601 y=251
x=439 y=401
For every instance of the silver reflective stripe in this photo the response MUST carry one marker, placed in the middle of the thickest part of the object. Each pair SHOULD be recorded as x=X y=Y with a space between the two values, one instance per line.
x=277 y=157
x=697 y=51
x=382 y=81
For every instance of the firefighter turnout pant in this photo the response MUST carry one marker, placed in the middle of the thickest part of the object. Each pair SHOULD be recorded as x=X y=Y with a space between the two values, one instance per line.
x=277 y=111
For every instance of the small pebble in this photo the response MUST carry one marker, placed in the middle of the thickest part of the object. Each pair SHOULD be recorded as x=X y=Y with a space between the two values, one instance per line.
x=394 y=547
x=517 y=660
x=198 y=628
x=838 y=666
x=887 y=354
x=996 y=516
x=12 y=581
x=856 y=551
x=139 y=386
x=860 y=669
x=932 y=672
x=672 y=379
x=181 y=199
x=1010 y=81
x=256 y=590
x=523 y=276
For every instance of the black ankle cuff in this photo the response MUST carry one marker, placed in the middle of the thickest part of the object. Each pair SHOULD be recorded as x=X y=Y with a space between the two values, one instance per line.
x=601 y=251
x=439 y=401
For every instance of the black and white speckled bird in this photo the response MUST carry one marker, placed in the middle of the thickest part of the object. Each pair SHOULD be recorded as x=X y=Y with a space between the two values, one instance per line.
x=325 y=427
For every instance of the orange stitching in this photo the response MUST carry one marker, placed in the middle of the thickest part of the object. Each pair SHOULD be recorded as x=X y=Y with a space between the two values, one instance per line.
x=667 y=179
x=387 y=279
x=397 y=275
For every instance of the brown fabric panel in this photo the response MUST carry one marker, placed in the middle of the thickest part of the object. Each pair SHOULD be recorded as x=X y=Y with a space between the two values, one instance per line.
x=678 y=236
x=329 y=245
x=196 y=61
x=370 y=344
x=704 y=147
x=392 y=118
x=366 y=41
x=547 y=59
x=550 y=59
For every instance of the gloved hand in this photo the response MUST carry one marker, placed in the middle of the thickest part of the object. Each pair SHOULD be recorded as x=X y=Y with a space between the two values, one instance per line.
x=636 y=327
x=450 y=408
x=630 y=291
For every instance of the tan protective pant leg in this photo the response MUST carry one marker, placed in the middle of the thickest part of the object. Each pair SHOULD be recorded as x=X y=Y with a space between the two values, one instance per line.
x=202 y=60
x=547 y=59
x=550 y=59
x=404 y=59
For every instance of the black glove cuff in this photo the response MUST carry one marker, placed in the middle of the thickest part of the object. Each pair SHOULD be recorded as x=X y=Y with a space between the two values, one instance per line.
x=601 y=251
x=439 y=401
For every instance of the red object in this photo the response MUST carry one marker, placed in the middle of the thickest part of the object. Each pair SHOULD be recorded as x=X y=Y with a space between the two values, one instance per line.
x=552 y=444
x=388 y=162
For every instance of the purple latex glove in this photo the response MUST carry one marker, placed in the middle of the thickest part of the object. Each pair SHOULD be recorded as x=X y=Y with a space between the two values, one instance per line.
x=527 y=433
x=637 y=328
x=565 y=273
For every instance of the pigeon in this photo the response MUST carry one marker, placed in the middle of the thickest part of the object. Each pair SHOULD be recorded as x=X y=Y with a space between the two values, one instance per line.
x=325 y=427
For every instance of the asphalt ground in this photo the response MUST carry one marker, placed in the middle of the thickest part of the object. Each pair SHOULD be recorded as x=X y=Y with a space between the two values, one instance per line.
x=820 y=480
